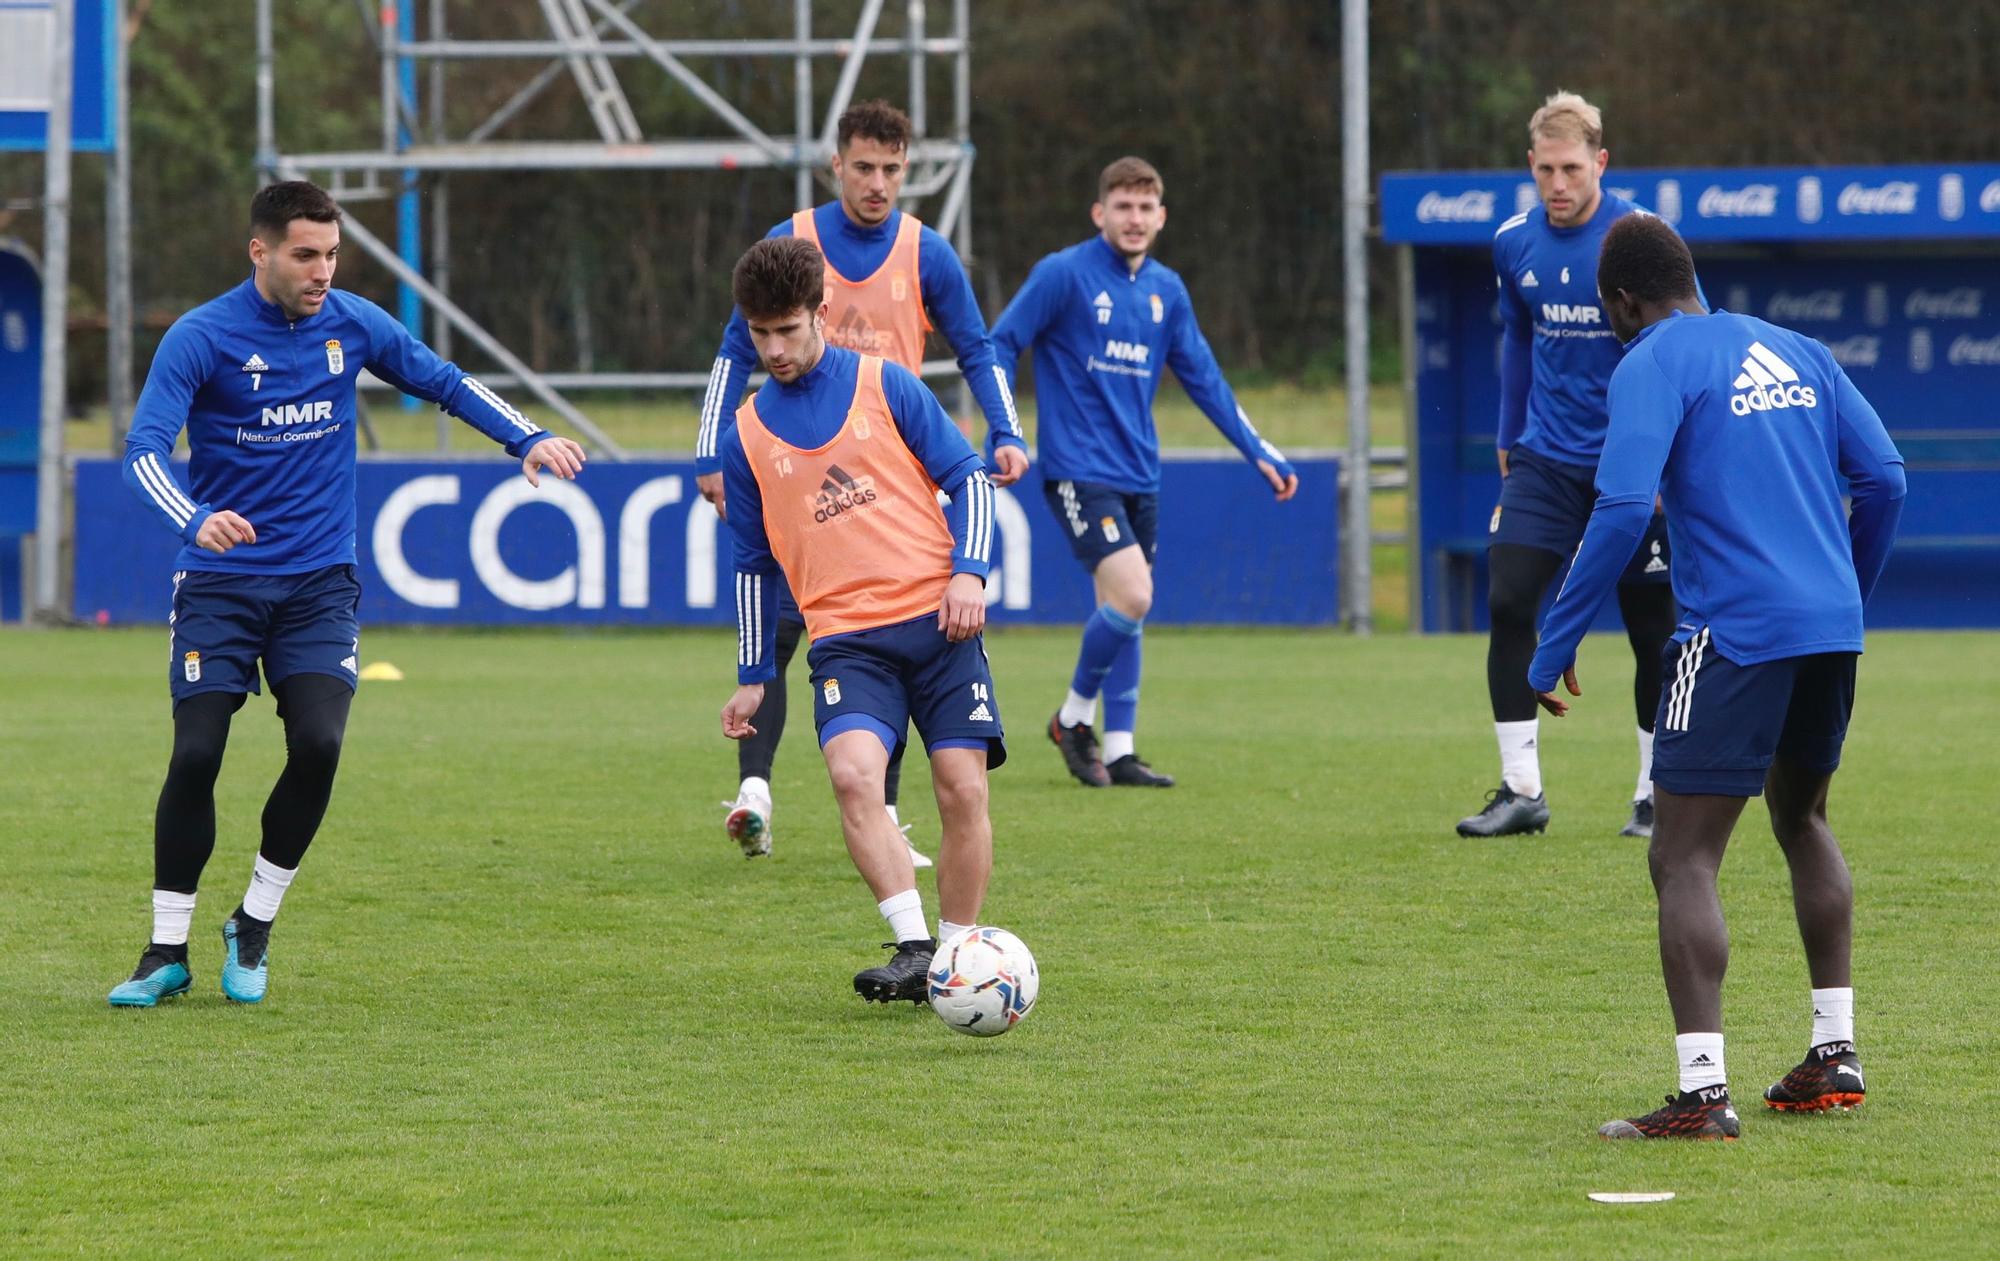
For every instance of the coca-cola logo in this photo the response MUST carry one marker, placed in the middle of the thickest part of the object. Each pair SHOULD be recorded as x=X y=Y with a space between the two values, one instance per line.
x=1820 y=304
x=1989 y=198
x=1472 y=206
x=1983 y=352
x=1858 y=351
x=1898 y=197
x=1962 y=303
x=1752 y=201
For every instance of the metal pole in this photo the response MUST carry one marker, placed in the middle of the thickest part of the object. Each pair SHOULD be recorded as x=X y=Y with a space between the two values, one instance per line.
x=850 y=72
x=267 y=123
x=802 y=108
x=919 y=102
x=440 y=215
x=1413 y=468
x=961 y=105
x=55 y=314
x=1354 y=183
x=118 y=239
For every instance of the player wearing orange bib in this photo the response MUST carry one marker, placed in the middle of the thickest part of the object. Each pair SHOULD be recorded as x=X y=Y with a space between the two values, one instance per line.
x=832 y=474
x=890 y=282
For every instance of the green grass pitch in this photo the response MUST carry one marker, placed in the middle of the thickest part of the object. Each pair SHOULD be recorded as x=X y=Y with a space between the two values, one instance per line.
x=527 y=1000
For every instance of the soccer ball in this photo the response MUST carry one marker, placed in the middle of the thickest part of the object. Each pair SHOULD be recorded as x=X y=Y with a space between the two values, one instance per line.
x=983 y=981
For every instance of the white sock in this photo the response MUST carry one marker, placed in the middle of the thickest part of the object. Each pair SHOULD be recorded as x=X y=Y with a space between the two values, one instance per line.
x=268 y=883
x=755 y=786
x=1700 y=1055
x=948 y=930
x=1833 y=1014
x=905 y=913
x=1116 y=745
x=172 y=913
x=1644 y=790
x=895 y=818
x=1520 y=763
x=1077 y=709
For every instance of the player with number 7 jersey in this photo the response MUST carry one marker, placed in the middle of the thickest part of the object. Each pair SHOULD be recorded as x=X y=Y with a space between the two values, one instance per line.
x=832 y=475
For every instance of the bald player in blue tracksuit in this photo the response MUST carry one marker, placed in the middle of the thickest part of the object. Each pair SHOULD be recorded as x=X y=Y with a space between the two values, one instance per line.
x=263 y=380
x=1102 y=319
x=1747 y=430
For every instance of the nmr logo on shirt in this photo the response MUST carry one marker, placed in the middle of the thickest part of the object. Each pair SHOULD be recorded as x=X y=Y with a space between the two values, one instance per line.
x=299 y=413
x=1565 y=313
x=1129 y=352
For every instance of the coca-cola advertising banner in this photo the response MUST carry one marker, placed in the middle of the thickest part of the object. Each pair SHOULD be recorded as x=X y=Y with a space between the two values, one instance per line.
x=1719 y=203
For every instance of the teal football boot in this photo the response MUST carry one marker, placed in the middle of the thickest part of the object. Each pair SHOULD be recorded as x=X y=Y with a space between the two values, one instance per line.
x=162 y=973
x=246 y=943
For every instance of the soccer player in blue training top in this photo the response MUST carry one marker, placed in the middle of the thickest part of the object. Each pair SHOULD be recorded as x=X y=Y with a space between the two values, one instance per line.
x=263 y=380
x=890 y=281
x=1556 y=357
x=1748 y=429
x=833 y=470
x=1102 y=317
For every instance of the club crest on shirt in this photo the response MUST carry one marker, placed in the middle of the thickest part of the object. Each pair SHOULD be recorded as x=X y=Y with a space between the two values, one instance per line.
x=831 y=690
x=1159 y=309
x=336 y=362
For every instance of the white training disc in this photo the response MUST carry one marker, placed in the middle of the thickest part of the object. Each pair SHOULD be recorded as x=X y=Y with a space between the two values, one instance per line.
x=1631 y=1197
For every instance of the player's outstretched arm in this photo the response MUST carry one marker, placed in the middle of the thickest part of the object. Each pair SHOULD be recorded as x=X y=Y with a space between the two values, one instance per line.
x=949 y=301
x=560 y=456
x=1193 y=362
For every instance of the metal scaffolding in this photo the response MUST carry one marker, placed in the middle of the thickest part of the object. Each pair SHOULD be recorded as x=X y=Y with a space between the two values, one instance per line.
x=589 y=41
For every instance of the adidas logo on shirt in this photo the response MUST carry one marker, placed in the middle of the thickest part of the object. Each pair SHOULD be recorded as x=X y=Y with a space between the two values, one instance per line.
x=1770 y=383
x=1528 y=280
x=980 y=713
x=256 y=364
x=1102 y=302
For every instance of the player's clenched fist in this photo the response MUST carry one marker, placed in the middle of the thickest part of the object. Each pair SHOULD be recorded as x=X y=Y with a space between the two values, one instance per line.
x=224 y=530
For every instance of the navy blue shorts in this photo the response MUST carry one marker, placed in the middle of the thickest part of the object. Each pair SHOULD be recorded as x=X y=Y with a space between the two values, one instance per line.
x=1720 y=724
x=882 y=679
x=224 y=624
x=1545 y=503
x=1099 y=520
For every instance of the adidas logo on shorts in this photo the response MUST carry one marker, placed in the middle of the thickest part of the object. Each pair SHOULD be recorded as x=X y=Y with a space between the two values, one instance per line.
x=980 y=713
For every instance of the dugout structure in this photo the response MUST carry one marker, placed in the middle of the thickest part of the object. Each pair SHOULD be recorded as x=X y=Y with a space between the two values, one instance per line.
x=1896 y=269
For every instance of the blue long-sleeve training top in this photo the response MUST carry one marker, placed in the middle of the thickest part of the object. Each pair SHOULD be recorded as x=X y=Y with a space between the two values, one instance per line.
x=268 y=404
x=1754 y=426
x=1557 y=351
x=858 y=253
x=1101 y=333
x=809 y=413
